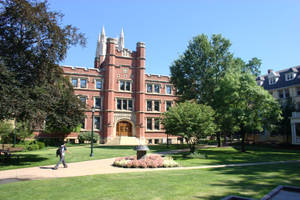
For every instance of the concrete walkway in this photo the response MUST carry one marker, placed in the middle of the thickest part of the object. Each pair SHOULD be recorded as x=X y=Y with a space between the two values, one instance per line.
x=103 y=166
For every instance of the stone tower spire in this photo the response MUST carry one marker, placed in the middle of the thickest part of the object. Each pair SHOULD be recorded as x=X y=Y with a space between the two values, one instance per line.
x=102 y=47
x=98 y=46
x=121 y=41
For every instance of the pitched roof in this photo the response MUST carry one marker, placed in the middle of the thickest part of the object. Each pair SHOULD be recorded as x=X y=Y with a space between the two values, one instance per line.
x=281 y=83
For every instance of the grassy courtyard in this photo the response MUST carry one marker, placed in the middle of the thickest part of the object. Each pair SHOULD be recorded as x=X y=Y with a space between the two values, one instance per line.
x=206 y=156
x=206 y=184
x=228 y=155
x=77 y=154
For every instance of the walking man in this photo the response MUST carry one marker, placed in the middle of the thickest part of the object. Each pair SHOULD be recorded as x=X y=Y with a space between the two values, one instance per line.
x=61 y=152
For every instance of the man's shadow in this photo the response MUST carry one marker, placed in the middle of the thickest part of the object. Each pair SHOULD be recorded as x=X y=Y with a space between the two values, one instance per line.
x=46 y=167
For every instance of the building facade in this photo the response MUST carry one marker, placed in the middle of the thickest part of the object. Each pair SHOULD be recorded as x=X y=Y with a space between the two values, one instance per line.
x=128 y=102
x=282 y=85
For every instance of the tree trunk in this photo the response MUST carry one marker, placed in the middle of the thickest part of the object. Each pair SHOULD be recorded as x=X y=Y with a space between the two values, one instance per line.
x=225 y=140
x=243 y=140
x=219 y=139
x=231 y=138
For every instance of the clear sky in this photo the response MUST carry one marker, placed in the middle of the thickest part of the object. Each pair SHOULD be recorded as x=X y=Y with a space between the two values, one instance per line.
x=266 y=29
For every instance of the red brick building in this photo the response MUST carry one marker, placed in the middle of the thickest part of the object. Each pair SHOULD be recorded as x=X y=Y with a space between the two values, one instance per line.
x=128 y=102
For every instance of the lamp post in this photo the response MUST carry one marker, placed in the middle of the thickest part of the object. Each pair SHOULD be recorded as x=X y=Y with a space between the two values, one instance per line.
x=167 y=140
x=92 y=139
x=15 y=135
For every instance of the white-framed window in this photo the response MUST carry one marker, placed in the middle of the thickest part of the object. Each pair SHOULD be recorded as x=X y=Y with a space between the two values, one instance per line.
x=125 y=85
x=168 y=105
x=153 y=88
x=157 y=106
x=156 y=124
x=83 y=83
x=280 y=94
x=149 y=88
x=153 y=123
x=149 y=105
x=97 y=122
x=83 y=99
x=157 y=88
x=124 y=104
x=74 y=82
x=98 y=102
x=272 y=80
x=168 y=89
x=286 y=93
x=289 y=76
x=99 y=84
x=153 y=105
x=149 y=123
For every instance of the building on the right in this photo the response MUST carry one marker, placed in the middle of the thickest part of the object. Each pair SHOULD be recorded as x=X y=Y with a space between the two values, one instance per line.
x=282 y=85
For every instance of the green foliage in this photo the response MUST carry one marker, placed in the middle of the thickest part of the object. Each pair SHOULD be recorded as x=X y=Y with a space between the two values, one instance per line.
x=33 y=42
x=6 y=130
x=248 y=106
x=196 y=73
x=191 y=121
x=54 y=142
x=87 y=136
x=284 y=125
x=31 y=145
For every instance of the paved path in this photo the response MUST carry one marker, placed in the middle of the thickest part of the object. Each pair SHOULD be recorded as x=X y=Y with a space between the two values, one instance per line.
x=103 y=166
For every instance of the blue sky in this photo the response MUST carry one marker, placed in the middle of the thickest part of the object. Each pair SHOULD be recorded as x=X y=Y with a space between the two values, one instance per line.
x=266 y=29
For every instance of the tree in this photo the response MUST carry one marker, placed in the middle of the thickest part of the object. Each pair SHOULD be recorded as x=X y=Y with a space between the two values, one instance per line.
x=64 y=116
x=251 y=107
x=191 y=121
x=197 y=72
x=6 y=129
x=284 y=125
x=32 y=44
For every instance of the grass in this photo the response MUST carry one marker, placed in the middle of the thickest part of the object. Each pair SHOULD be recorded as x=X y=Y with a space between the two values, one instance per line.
x=208 y=156
x=227 y=155
x=77 y=153
x=206 y=184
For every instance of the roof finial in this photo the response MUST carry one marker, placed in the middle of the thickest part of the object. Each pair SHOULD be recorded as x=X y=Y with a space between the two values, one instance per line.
x=121 y=40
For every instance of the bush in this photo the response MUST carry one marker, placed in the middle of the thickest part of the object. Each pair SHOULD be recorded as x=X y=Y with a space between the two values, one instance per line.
x=31 y=145
x=151 y=161
x=51 y=141
x=87 y=136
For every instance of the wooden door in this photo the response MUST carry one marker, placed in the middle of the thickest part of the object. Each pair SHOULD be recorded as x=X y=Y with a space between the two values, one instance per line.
x=124 y=129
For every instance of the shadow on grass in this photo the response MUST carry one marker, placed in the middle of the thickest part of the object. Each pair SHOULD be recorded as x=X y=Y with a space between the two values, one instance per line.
x=256 y=181
x=153 y=148
x=21 y=159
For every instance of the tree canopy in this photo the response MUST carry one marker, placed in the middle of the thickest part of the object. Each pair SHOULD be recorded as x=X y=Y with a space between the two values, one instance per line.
x=191 y=121
x=33 y=42
x=209 y=73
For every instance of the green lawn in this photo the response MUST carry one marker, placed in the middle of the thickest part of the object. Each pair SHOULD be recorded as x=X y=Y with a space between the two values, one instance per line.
x=228 y=155
x=206 y=184
x=77 y=153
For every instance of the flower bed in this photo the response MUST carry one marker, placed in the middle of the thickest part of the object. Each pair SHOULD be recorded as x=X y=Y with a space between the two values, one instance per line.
x=150 y=161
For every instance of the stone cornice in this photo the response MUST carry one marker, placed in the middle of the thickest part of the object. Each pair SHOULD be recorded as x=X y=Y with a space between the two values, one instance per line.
x=80 y=74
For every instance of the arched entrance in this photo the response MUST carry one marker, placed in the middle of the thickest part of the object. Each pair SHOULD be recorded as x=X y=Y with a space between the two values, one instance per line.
x=124 y=128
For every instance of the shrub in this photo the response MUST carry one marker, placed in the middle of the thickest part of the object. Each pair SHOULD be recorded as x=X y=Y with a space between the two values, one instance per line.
x=31 y=145
x=87 y=136
x=151 y=161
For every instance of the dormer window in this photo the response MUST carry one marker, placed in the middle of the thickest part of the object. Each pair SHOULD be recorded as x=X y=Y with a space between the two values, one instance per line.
x=260 y=82
x=289 y=76
x=273 y=77
x=272 y=80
